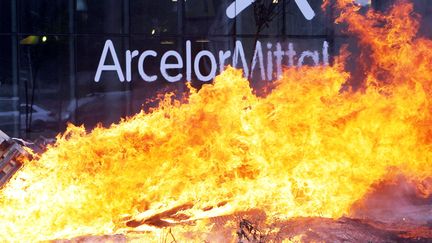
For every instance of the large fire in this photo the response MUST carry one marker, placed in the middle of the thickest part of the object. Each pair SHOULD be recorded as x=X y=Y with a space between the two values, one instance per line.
x=311 y=147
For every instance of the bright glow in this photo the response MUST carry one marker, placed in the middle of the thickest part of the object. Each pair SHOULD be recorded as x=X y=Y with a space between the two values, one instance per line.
x=44 y=38
x=304 y=149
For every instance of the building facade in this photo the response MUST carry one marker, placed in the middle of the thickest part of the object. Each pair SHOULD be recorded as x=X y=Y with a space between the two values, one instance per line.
x=52 y=52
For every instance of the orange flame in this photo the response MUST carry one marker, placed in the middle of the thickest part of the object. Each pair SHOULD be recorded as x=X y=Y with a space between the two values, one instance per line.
x=306 y=149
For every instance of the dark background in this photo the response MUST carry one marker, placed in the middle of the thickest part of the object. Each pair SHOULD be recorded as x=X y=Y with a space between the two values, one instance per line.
x=49 y=51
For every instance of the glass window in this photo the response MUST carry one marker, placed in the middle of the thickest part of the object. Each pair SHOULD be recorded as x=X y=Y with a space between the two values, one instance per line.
x=45 y=16
x=424 y=8
x=5 y=16
x=383 y=5
x=207 y=17
x=46 y=82
x=297 y=23
x=100 y=16
x=88 y=54
x=6 y=66
x=8 y=89
x=107 y=100
x=247 y=24
x=155 y=17
x=275 y=54
x=24 y=109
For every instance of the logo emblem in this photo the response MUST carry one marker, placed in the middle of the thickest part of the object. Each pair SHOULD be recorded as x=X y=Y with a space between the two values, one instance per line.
x=239 y=5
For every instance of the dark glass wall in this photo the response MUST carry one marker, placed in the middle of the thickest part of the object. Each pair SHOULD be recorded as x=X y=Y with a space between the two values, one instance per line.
x=50 y=51
x=6 y=16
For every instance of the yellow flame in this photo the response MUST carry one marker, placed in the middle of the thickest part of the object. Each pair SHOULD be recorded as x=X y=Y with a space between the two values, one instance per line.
x=306 y=149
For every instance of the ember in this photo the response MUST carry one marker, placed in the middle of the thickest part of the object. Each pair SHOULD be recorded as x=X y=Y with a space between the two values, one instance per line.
x=295 y=165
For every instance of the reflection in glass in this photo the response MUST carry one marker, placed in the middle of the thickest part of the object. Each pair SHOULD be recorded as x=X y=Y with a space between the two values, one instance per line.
x=38 y=16
x=100 y=16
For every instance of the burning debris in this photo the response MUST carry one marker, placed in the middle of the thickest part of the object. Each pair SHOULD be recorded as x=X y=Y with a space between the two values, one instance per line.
x=249 y=233
x=296 y=160
x=11 y=154
x=14 y=151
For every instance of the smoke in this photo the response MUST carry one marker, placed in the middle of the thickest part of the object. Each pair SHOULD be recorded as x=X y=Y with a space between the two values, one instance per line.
x=396 y=201
x=424 y=9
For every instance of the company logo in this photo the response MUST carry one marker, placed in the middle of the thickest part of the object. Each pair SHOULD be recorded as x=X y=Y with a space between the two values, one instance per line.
x=267 y=58
x=239 y=5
